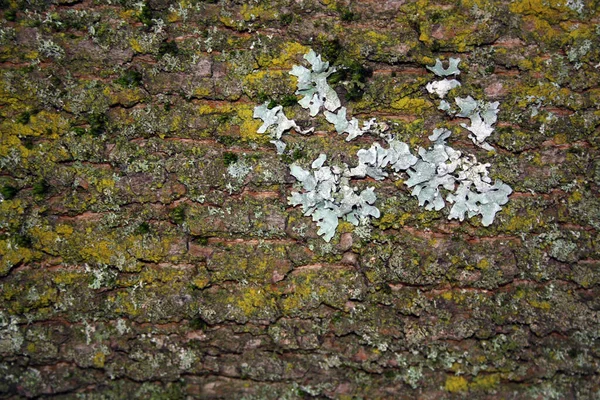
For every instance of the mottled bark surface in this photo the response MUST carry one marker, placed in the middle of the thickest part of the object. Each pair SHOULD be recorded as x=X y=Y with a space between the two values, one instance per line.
x=134 y=265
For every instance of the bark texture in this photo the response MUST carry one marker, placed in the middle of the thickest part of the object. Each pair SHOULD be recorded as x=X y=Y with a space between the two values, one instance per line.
x=136 y=263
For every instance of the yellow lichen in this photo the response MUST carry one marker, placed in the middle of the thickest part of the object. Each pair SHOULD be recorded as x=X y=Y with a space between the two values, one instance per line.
x=127 y=14
x=102 y=251
x=519 y=293
x=43 y=237
x=575 y=197
x=519 y=223
x=483 y=264
x=447 y=295
x=345 y=226
x=542 y=305
x=290 y=54
x=210 y=108
x=425 y=38
x=11 y=208
x=561 y=138
x=412 y=105
x=456 y=384
x=161 y=275
x=255 y=299
x=125 y=305
x=252 y=12
x=11 y=255
x=126 y=97
x=68 y=277
x=257 y=79
x=103 y=184
x=202 y=92
x=99 y=359
x=551 y=10
x=135 y=45
x=147 y=248
x=225 y=20
x=387 y=221
x=541 y=28
x=249 y=125
x=525 y=64
x=200 y=281
x=44 y=124
x=485 y=382
x=301 y=292
x=64 y=230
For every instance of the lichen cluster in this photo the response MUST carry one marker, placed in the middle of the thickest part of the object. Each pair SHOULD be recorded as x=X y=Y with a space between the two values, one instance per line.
x=328 y=193
x=147 y=247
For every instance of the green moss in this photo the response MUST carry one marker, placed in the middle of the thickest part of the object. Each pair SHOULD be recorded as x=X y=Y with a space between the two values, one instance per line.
x=8 y=192
x=486 y=383
x=517 y=140
x=169 y=47
x=286 y=19
x=228 y=141
x=97 y=123
x=178 y=214
x=116 y=165
x=130 y=79
x=267 y=85
x=288 y=100
x=41 y=187
x=198 y=324
x=143 y=228
x=22 y=240
x=330 y=49
x=296 y=153
x=346 y=14
x=203 y=241
x=10 y=15
x=229 y=158
x=24 y=117
x=145 y=15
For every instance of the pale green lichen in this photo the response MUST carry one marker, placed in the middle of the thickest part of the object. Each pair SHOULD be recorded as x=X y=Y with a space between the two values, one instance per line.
x=328 y=195
x=452 y=69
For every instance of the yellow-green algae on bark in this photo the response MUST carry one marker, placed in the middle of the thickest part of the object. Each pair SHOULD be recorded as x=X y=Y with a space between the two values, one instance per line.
x=133 y=262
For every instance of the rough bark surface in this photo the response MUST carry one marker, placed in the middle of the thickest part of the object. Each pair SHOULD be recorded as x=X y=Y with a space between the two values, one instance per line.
x=134 y=265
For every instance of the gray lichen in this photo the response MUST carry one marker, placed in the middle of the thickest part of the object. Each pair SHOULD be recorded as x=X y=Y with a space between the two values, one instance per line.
x=482 y=115
x=327 y=194
x=441 y=88
x=452 y=69
x=312 y=84
x=275 y=121
x=328 y=197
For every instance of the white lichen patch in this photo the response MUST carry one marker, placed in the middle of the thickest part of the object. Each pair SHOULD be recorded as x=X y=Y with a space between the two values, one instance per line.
x=342 y=125
x=312 y=84
x=441 y=88
x=482 y=115
x=436 y=175
x=239 y=170
x=328 y=196
x=452 y=69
